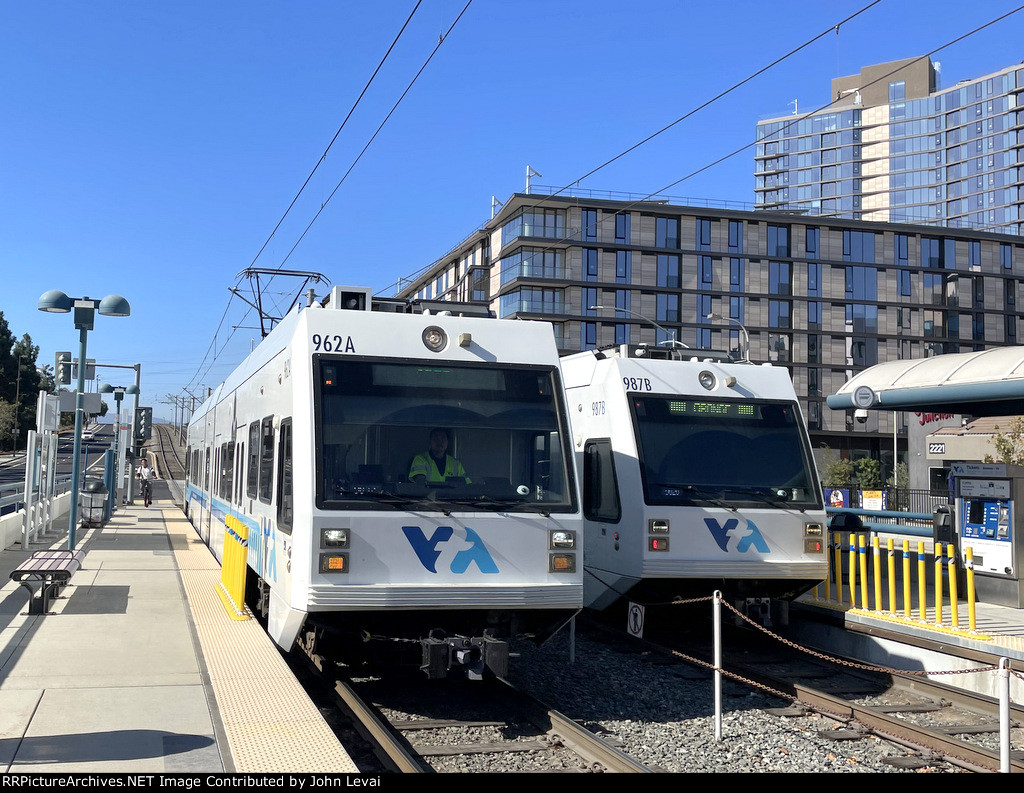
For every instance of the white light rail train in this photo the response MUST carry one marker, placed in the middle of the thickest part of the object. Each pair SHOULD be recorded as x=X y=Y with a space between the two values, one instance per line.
x=697 y=475
x=313 y=444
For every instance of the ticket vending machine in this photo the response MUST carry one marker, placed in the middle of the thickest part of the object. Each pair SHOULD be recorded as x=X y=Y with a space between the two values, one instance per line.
x=987 y=495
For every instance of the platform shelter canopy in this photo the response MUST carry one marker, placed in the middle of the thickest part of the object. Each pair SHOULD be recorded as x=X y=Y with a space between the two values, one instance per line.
x=984 y=383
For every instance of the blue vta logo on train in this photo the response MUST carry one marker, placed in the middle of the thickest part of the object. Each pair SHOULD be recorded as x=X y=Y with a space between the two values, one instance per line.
x=742 y=539
x=429 y=550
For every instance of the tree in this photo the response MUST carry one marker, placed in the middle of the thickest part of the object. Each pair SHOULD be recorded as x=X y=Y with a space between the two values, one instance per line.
x=837 y=471
x=869 y=474
x=1009 y=445
x=6 y=419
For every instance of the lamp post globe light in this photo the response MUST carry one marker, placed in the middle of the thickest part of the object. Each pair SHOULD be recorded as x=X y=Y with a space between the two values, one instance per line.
x=746 y=336
x=672 y=340
x=85 y=308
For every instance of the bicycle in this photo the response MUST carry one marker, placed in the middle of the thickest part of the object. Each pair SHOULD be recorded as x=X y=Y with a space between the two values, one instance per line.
x=147 y=490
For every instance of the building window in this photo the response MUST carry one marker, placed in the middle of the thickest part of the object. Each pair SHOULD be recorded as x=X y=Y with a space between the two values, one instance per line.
x=778 y=240
x=897 y=91
x=779 y=282
x=666 y=232
x=668 y=271
x=779 y=314
x=622 y=228
x=736 y=275
x=590 y=264
x=735 y=236
x=623 y=300
x=531 y=301
x=705 y=272
x=623 y=267
x=668 y=308
x=703 y=234
x=588 y=335
x=622 y=333
x=589 y=224
x=589 y=301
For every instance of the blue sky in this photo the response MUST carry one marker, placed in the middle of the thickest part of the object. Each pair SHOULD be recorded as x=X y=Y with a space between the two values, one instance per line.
x=149 y=149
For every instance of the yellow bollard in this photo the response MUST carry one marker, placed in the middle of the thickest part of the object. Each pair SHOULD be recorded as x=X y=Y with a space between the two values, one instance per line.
x=863 y=573
x=877 y=568
x=892 y=575
x=937 y=554
x=853 y=570
x=954 y=607
x=906 y=578
x=234 y=565
x=922 y=583
x=972 y=621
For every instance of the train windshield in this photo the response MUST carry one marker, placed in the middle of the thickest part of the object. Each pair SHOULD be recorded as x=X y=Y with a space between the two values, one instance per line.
x=699 y=452
x=418 y=435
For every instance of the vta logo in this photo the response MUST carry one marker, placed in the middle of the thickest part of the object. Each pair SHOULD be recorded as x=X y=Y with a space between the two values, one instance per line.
x=428 y=552
x=752 y=537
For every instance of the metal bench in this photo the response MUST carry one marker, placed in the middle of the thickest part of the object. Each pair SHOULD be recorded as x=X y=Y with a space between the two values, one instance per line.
x=44 y=574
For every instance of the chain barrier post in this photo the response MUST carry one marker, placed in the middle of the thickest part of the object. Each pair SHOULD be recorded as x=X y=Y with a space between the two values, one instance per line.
x=717 y=614
x=907 y=606
x=954 y=606
x=972 y=615
x=922 y=583
x=1004 y=716
x=937 y=556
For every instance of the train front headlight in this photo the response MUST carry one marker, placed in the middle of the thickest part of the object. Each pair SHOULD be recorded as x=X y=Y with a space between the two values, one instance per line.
x=435 y=339
x=334 y=538
x=814 y=538
x=559 y=539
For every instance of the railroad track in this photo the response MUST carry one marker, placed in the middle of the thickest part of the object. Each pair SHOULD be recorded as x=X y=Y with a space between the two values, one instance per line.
x=171 y=466
x=936 y=721
x=419 y=726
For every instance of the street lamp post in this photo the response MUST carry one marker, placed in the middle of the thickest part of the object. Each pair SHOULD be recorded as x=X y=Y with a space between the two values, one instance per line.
x=746 y=336
x=670 y=333
x=56 y=302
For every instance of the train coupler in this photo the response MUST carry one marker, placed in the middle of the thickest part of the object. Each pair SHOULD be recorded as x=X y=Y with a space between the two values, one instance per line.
x=472 y=657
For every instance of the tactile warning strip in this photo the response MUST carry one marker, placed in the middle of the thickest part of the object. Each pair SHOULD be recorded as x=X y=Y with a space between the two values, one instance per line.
x=270 y=724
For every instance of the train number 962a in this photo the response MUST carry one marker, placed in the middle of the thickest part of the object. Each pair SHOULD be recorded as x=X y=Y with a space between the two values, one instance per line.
x=334 y=343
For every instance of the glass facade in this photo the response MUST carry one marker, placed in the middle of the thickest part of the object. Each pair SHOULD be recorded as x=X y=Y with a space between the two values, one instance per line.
x=949 y=157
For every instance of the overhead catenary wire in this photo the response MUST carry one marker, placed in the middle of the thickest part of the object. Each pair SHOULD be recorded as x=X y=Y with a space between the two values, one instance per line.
x=832 y=27
x=291 y=205
x=635 y=203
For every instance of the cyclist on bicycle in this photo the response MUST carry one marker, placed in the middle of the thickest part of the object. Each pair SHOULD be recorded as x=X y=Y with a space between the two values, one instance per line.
x=145 y=474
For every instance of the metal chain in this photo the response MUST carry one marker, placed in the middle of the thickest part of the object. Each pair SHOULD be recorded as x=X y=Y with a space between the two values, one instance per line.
x=851 y=664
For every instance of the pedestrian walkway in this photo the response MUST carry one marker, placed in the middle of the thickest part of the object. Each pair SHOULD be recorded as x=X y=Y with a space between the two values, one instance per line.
x=138 y=669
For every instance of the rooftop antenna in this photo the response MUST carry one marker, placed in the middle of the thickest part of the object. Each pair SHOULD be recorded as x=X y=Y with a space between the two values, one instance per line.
x=796 y=110
x=530 y=172
x=495 y=203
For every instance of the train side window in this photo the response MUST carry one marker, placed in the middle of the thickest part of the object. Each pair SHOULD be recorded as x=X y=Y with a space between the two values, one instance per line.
x=239 y=473
x=254 y=459
x=600 y=487
x=227 y=469
x=266 y=459
x=285 y=502
x=206 y=472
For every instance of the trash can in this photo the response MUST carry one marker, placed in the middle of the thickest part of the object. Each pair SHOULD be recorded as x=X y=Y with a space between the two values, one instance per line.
x=92 y=503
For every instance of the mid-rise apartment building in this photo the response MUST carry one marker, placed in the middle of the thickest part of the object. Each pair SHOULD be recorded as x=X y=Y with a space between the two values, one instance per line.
x=824 y=297
x=892 y=146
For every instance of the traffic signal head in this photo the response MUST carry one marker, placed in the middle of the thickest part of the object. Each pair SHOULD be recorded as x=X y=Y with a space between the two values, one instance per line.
x=62 y=368
x=145 y=423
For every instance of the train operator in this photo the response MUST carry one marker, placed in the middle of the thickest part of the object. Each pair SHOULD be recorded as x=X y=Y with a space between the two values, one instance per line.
x=435 y=465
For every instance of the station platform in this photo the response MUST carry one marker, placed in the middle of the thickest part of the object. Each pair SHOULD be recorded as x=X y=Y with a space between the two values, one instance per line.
x=137 y=668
